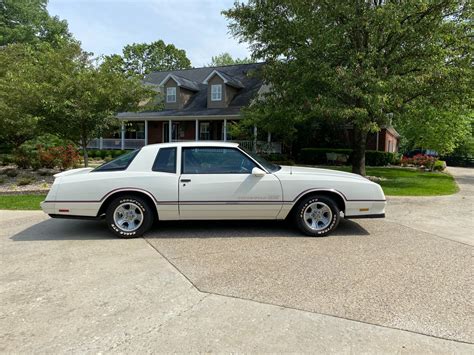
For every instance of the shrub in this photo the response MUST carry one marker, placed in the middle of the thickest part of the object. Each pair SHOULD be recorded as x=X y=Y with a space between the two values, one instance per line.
x=439 y=165
x=2 y=180
x=108 y=158
x=318 y=155
x=6 y=159
x=372 y=157
x=23 y=158
x=67 y=156
x=26 y=180
x=47 y=157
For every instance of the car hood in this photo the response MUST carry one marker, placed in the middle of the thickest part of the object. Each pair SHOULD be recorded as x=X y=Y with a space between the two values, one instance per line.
x=301 y=170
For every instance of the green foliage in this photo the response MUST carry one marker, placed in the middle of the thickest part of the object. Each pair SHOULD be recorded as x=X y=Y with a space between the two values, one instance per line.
x=28 y=21
x=6 y=159
x=226 y=59
x=373 y=158
x=359 y=62
x=143 y=58
x=25 y=180
x=439 y=165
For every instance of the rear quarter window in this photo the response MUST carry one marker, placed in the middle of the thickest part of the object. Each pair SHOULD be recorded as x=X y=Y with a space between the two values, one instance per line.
x=120 y=163
x=165 y=160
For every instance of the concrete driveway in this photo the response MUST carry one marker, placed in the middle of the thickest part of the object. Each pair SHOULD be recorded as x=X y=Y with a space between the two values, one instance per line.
x=374 y=286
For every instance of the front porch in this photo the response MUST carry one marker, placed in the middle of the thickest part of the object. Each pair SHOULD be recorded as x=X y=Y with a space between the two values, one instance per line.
x=135 y=134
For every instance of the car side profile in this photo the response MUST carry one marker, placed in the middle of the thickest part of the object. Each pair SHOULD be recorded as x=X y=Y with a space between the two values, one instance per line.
x=209 y=181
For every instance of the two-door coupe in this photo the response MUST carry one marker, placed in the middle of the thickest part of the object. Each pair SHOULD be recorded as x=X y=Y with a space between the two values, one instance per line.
x=209 y=181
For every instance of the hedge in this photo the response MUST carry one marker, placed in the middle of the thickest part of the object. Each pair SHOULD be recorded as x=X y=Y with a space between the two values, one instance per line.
x=372 y=157
x=96 y=153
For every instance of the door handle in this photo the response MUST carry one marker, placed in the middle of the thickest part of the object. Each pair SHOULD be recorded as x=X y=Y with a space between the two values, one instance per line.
x=185 y=180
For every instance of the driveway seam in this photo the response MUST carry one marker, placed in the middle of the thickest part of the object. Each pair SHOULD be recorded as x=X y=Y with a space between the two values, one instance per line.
x=388 y=220
x=295 y=308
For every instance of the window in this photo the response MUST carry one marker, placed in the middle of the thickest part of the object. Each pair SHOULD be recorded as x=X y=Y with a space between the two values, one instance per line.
x=171 y=94
x=204 y=131
x=216 y=92
x=165 y=160
x=120 y=163
x=216 y=161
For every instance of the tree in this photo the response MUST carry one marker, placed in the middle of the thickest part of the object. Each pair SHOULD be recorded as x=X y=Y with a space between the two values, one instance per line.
x=226 y=59
x=64 y=92
x=142 y=58
x=357 y=62
x=28 y=21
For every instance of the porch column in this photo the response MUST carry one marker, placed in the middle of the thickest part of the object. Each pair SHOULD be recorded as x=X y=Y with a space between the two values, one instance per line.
x=146 y=132
x=196 y=130
x=269 y=137
x=377 y=142
x=101 y=143
x=255 y=139
x=170 y=131
x=122 y=135
x=225 y=129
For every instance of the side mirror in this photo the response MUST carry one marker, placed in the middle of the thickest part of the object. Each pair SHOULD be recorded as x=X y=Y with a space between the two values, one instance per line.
x=258 y=172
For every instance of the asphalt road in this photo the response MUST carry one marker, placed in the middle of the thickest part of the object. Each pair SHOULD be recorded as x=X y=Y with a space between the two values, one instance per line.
x=374 y=286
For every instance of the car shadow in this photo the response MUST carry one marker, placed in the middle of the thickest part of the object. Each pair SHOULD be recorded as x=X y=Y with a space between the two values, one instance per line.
x=243 y=229
x=62 y=229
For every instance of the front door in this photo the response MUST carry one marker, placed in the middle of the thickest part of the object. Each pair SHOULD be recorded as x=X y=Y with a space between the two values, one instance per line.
x=166 y=132
x=217 y=183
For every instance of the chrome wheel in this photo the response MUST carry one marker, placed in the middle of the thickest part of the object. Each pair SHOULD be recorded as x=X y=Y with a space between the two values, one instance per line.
x=317 y=216
x=128 y=216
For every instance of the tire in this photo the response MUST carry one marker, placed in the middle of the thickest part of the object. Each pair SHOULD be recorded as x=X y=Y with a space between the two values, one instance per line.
x=326 y=215
x=136 y=219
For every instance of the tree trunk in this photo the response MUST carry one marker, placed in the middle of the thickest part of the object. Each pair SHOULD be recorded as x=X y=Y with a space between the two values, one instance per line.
x=358 y=151
x=85 y=154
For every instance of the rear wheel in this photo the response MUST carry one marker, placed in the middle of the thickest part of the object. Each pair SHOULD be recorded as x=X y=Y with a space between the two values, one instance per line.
x=129 y=216
x=317 y=216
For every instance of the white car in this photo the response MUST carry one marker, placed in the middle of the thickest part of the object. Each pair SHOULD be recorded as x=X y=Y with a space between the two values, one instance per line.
x=209 y=181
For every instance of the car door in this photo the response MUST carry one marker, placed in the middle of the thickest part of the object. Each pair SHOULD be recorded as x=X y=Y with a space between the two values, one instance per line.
x=217 y=183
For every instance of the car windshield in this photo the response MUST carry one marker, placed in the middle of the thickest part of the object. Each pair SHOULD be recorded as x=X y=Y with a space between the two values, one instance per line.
x=263 y=162
x=120 y=163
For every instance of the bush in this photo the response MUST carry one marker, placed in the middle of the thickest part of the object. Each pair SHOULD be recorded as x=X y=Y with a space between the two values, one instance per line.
x=26 y=180
x=2 y=180
x=24 y=158
x=318 y=155
x=108 y=158
x=45 y=172
x=439 y=165
x=6 y=159
x=372 y=157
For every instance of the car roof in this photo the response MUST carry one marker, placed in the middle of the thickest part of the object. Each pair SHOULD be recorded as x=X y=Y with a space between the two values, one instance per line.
x=193 y=144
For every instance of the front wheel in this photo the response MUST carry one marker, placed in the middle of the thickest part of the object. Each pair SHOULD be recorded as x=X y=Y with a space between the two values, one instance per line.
x=129 y=216
x=317 y=216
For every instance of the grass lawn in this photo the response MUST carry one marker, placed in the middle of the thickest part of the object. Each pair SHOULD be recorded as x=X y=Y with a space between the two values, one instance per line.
x=21 y=202
x=409 y=182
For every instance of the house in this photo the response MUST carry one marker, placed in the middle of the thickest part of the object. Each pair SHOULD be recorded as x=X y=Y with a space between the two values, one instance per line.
x=202 y=103
x=199 y=104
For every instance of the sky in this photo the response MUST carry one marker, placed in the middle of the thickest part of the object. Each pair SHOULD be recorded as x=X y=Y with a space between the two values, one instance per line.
x=106 y=26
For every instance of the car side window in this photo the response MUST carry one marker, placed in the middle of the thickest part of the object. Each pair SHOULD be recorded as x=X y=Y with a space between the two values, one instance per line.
x=165 y=160
x=209 y=160
x=120 y=163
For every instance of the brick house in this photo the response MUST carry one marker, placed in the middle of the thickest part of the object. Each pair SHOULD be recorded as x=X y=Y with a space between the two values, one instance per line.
x=201 y=104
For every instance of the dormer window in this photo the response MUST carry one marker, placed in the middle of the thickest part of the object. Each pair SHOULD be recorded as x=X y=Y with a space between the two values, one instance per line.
x=216 y=92
x=171 y=94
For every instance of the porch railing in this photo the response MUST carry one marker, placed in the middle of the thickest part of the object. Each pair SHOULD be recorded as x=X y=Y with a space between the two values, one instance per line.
x=262 y=146
x=115 y=143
